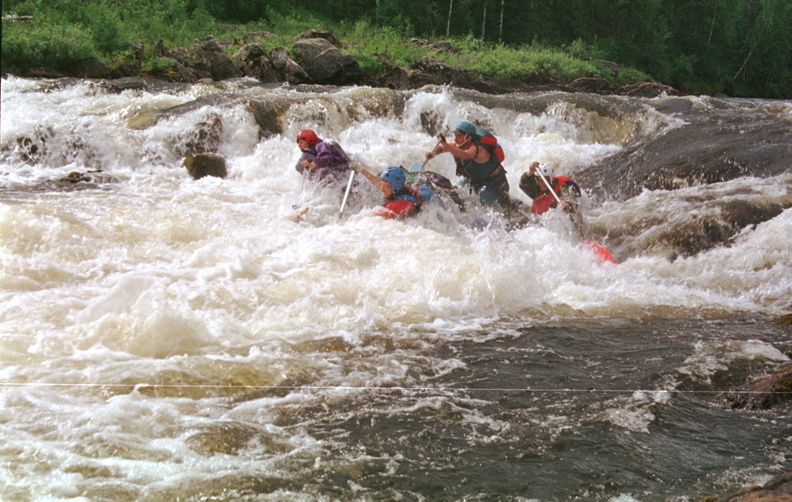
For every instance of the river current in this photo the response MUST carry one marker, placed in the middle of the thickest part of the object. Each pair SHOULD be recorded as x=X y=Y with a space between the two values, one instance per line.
x=164 y=338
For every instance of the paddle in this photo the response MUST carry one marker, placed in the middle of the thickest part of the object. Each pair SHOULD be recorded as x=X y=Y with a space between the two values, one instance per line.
x=418 y=167
x=600 y=251
x=346 y=193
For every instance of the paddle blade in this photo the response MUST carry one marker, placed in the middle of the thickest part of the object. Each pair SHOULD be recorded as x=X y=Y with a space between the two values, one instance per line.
x=416 y=168
x=603 y=256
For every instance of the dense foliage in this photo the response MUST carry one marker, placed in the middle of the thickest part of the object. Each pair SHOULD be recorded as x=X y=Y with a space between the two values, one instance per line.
x=739 y=47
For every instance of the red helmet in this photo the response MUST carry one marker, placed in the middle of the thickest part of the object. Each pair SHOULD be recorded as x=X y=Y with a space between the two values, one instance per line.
x=309 y=136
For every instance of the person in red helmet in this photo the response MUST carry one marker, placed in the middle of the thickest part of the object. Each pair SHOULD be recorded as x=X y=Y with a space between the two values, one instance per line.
x=320 y=161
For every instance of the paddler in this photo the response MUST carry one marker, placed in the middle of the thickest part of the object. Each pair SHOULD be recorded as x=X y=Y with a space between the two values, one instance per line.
x=401 y=198
x=535 y=182
x=320 y=161
x=476 y=155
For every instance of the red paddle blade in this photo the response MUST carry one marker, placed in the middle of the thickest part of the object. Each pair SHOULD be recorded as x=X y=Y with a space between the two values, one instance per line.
x=603 y=255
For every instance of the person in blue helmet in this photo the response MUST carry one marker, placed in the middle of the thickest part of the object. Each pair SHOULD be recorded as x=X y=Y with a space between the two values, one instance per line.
x=401 y=199
x=477 y=160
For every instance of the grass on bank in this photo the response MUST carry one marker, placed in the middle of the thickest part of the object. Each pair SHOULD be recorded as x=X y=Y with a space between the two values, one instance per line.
x=55 y=36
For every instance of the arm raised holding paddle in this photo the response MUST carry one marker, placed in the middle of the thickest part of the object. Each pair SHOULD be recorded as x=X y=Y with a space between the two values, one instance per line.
x=549 y=191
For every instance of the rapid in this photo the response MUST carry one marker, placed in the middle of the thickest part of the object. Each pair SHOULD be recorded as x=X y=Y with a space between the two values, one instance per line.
x=165 y=338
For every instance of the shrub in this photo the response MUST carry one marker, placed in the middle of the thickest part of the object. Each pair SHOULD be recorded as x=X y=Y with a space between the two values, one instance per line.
x=37 y=44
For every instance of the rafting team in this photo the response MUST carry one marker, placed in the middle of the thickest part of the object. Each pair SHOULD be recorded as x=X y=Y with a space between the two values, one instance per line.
x=478 y=160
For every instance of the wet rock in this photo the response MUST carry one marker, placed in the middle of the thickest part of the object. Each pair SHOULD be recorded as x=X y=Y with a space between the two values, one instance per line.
x=88 y=68
x=266 y=114
x=205 y=164
x=765 y=393
x=119 y=85
x=226 y=438
x=183 y=74
x=94 y=176
x=76 y=177
x=709 y=148
x=325 y=63
x=648 y=90
x=784 y=320
x=778 y=489
x=594 y=85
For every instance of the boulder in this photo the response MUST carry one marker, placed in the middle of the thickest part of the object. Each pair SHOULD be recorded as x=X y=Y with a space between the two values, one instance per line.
x=288 y=68
x=256 y=64
x=207 y=57
x=325 y=63
x=205 y=164
x=88 y=68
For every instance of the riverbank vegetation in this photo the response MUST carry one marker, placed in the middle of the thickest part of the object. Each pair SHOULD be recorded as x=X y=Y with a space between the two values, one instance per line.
x=736 y=47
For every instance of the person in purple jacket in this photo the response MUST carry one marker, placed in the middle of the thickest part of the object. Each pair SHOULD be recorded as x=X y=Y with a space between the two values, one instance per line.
x=321 y=162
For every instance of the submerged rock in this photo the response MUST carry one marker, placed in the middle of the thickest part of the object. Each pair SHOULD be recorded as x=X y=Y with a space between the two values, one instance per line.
x=778 y=489
x=764 y=393
x=205 y=164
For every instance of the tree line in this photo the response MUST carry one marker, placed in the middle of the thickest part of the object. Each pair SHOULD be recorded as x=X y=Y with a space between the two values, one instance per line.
x=737 y=47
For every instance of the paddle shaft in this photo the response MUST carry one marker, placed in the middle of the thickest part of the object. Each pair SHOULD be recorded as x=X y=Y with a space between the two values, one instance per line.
x=549 y=188
x=346 y=193
x=433 y=151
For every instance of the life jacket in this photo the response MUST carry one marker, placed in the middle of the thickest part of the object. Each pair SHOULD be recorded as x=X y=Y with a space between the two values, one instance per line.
x=439 y=184
x=546 y=201
x=406 y=201
x=410 y=194
x=489 y=173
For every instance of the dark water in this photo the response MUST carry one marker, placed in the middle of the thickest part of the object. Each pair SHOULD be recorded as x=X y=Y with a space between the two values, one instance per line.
x=569 y=410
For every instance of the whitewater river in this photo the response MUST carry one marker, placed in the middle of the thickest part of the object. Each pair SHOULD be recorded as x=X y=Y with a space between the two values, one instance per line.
x=164 y=338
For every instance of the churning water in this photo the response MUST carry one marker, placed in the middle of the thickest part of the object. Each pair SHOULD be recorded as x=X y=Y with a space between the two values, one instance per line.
x=164 y=338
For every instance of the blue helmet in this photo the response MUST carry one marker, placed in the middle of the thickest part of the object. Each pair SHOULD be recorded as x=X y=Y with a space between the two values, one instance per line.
x=395 y=176
x=466 y=127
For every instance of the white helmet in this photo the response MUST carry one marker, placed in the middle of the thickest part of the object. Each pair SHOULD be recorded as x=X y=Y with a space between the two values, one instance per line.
x=545 y=169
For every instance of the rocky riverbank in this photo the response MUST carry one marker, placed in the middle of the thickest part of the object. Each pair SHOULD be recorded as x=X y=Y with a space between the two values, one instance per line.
x=322 y=60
